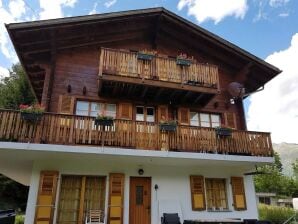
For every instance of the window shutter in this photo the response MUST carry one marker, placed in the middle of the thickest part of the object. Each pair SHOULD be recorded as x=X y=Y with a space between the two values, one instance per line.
x=66 y=104
x=125 y=111
x=162 y=113
x=46 y=197
x=238 y=193
x=116 y=198
x=197 y=193
x=183 y=115
x=230 y=120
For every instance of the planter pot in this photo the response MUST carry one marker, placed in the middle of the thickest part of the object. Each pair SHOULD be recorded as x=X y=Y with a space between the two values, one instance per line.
x=223 y=132
x=31 y=117
x=104 y=122
x=183 y=62
x=147 y=57
x=168 y=127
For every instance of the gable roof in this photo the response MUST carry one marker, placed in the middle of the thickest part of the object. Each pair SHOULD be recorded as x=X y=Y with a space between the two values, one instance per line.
x=38 y=41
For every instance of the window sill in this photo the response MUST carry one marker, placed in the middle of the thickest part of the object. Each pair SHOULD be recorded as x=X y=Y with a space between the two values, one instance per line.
x=225 y=210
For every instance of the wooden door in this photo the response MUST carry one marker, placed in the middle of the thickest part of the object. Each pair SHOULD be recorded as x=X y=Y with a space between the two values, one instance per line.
x=140 y=200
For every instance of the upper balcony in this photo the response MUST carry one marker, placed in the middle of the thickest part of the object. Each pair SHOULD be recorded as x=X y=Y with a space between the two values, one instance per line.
x=156 y=78
x=81 y=130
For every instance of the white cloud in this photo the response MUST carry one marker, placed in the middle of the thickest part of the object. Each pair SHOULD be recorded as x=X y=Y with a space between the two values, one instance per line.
x=109 y=3
x=215 y=10
x=3 y=72
x=14 y=13
x=278 y=3
x=53 y=9
x=275 y=109
x=93 y=11
x=284 y=14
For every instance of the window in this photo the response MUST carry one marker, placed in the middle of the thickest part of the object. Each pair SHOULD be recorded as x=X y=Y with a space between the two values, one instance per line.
x=85 y=108
x=145 y=114
x=265 y=200
x=204 y=119
x=216 y=194
x=71 y=196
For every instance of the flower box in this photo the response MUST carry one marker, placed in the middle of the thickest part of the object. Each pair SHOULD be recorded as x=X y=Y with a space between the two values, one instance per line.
x=168 y=127
x=144 y=56
x=223 y=132
x=104 y=122
x=183 y=62
x=31 y=117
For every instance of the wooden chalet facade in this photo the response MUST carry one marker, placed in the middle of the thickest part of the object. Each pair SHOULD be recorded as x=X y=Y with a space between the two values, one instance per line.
x=126 y=65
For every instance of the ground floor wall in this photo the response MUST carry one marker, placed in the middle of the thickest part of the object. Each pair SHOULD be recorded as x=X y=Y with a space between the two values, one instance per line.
x=173 y=186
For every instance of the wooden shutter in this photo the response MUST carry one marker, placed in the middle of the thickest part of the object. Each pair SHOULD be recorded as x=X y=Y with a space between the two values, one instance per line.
x=162 y=113
x=238 y=193
x=125 y=111
x=230 y=120
x=116 y=198
x=66 y=104
x=45 y=205
x=197 y=193
x=183 y=116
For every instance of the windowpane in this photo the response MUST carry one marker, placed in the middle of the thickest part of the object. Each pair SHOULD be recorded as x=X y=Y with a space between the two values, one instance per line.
x=140 y=114
x=205 y=120
x=215 y=120
x=194 y=119
x=216 y=194
x=111 y=110
x=82 y=108
x=150 y=114
x=96 y=109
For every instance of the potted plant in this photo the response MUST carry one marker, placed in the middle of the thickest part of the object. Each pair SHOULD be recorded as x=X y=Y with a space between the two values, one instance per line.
x=223 y=131
x=31 y=113
x=103 y=120
x=168 y=125
x=146 y=55
x=183 y=60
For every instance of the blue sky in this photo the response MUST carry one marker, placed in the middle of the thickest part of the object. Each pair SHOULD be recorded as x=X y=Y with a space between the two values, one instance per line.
x=265 y=28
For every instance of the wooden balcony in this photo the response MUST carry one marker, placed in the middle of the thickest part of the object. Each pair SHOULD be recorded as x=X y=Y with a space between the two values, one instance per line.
x=80 y=130
x=123 y=73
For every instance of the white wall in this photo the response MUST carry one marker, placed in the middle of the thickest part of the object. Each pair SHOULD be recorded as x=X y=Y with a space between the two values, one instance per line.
x=173 y=182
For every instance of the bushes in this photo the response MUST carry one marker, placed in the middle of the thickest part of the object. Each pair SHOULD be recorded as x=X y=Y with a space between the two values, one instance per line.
x=275 y=214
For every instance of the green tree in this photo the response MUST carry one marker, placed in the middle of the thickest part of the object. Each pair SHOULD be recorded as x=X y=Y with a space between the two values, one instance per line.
x=295 y=169
x=15 y=89
x=274 y=181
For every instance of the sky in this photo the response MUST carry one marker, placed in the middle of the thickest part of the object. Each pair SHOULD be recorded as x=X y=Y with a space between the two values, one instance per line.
x=265 y=28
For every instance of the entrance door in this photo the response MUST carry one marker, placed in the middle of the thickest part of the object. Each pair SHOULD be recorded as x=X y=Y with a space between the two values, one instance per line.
x=140 y=200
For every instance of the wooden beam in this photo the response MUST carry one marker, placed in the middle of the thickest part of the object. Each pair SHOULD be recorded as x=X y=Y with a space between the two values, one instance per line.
x=241 y=76
x=200 y=96
x=186 y=96
x=157 y=83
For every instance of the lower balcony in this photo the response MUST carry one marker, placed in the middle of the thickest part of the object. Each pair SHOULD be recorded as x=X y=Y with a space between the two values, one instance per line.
x=81 y=130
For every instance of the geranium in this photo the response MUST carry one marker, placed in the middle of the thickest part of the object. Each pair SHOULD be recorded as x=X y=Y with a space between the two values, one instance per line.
x=35 y=108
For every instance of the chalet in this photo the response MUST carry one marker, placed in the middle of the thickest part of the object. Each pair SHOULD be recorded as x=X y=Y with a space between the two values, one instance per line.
x=143 y=117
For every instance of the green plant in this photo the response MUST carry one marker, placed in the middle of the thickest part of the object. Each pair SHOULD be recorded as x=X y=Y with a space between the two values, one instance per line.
x=169 y=122
x=275 y=214
x=20 y=219
x=34 y=109
x=103 y=117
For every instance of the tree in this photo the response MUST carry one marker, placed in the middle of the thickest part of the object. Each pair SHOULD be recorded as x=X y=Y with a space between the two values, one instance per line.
x=295 y=169
x=274 y=181
x=15 y=89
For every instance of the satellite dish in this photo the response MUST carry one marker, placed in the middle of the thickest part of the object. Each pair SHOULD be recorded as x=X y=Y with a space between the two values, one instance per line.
x=236 y=90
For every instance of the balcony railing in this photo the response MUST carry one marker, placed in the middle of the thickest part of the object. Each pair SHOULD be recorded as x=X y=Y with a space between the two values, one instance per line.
x=126 y=63
x=72 y=130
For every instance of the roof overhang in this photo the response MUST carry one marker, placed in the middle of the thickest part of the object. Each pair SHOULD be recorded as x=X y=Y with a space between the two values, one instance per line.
x=38 y=42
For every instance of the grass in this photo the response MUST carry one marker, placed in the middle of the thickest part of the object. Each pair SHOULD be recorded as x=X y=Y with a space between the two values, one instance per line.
x=275 y=214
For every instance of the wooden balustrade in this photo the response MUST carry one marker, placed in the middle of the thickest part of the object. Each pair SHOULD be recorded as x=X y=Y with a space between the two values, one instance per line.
x=72 y=130
x=125 y=63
